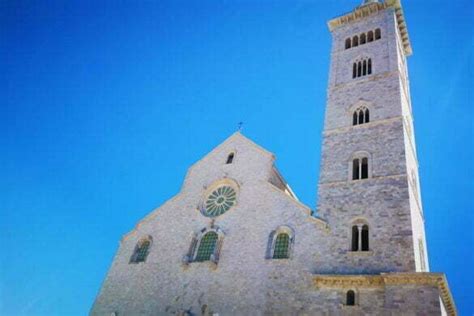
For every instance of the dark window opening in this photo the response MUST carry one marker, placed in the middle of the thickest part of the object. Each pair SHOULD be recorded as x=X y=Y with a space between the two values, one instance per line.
x=348 y=43
x=355 y=41
x=362 y=39
x=361 y=117
x=350 y=298
x=370 y=36
x=378 y=34
x=354 y=70
x=355 y=169
x=230 y=158
x=365 y=168
x=354 y=118
x=367 y=119
x=364 y=68
x=369 y=66
x=359 y=69
x=365 y=238
x=355 y=238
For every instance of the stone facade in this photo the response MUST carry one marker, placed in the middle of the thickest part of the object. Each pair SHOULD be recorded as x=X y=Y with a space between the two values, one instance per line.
x=240 y=277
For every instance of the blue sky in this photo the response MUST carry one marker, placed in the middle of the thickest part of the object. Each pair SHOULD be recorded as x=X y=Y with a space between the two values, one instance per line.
x=105 y=104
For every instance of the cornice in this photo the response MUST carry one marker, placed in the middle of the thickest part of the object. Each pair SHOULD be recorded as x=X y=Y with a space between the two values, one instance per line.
x=364 y=11
x=389 y=279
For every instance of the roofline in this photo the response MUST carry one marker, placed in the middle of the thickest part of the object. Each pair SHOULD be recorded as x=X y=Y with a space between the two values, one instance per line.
x=372 y=8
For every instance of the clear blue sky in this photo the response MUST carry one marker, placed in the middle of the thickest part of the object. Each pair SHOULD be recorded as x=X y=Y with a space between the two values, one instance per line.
x=105 y=104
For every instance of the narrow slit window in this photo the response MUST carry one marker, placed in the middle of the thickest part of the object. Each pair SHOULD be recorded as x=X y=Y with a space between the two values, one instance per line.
x=230 y=158
x=361 y=117
x=354 y=118
x=369 y=66
x=365 y=168
x=354 y=70
x=364 y=68
x=355 y=238
x=359 y=69
x=367 y=118
x=365 y=238
x=355 y=169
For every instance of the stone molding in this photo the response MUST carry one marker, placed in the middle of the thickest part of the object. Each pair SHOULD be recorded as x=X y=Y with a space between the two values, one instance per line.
x=337 y=183
x=364 y=11
x=389 y=279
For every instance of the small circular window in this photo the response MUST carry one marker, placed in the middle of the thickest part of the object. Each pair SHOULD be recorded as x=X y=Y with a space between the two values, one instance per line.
x=220 y=201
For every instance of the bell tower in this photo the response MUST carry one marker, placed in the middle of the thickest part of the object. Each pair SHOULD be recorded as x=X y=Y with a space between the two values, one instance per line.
x=368 y=187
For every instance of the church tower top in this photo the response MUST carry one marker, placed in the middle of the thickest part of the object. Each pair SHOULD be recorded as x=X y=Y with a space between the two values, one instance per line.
x=372 y=7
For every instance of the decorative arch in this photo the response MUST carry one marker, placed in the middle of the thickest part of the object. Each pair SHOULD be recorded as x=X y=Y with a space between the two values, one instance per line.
x=205 y=245
x=142 y=249
x=280 y=243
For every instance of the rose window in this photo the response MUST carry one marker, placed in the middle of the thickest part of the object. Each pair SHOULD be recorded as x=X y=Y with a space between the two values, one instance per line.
x=220 y=201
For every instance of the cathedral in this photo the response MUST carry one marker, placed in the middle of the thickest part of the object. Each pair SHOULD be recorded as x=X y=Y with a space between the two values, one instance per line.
x=237 y=241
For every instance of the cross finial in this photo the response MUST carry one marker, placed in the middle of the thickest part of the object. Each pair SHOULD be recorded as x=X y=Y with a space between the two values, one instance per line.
x=239 y=126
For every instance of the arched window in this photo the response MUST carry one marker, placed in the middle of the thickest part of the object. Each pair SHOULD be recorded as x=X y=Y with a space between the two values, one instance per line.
x=359 y=69
x=362 y=38
x=370 y=36
x=348 y=43
x=364 y=171
x=355 y=41
x=360 y=236
x=355 y=238
x=378 y=34
x=141 y=250
x=360 y=167
x=364 y=68
x=354 y=70
x=350 y=298
x=230 y=158
x=360 y=116
x=206 y=247
x=369 y=66
x=282 y=244
x=365 y=238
